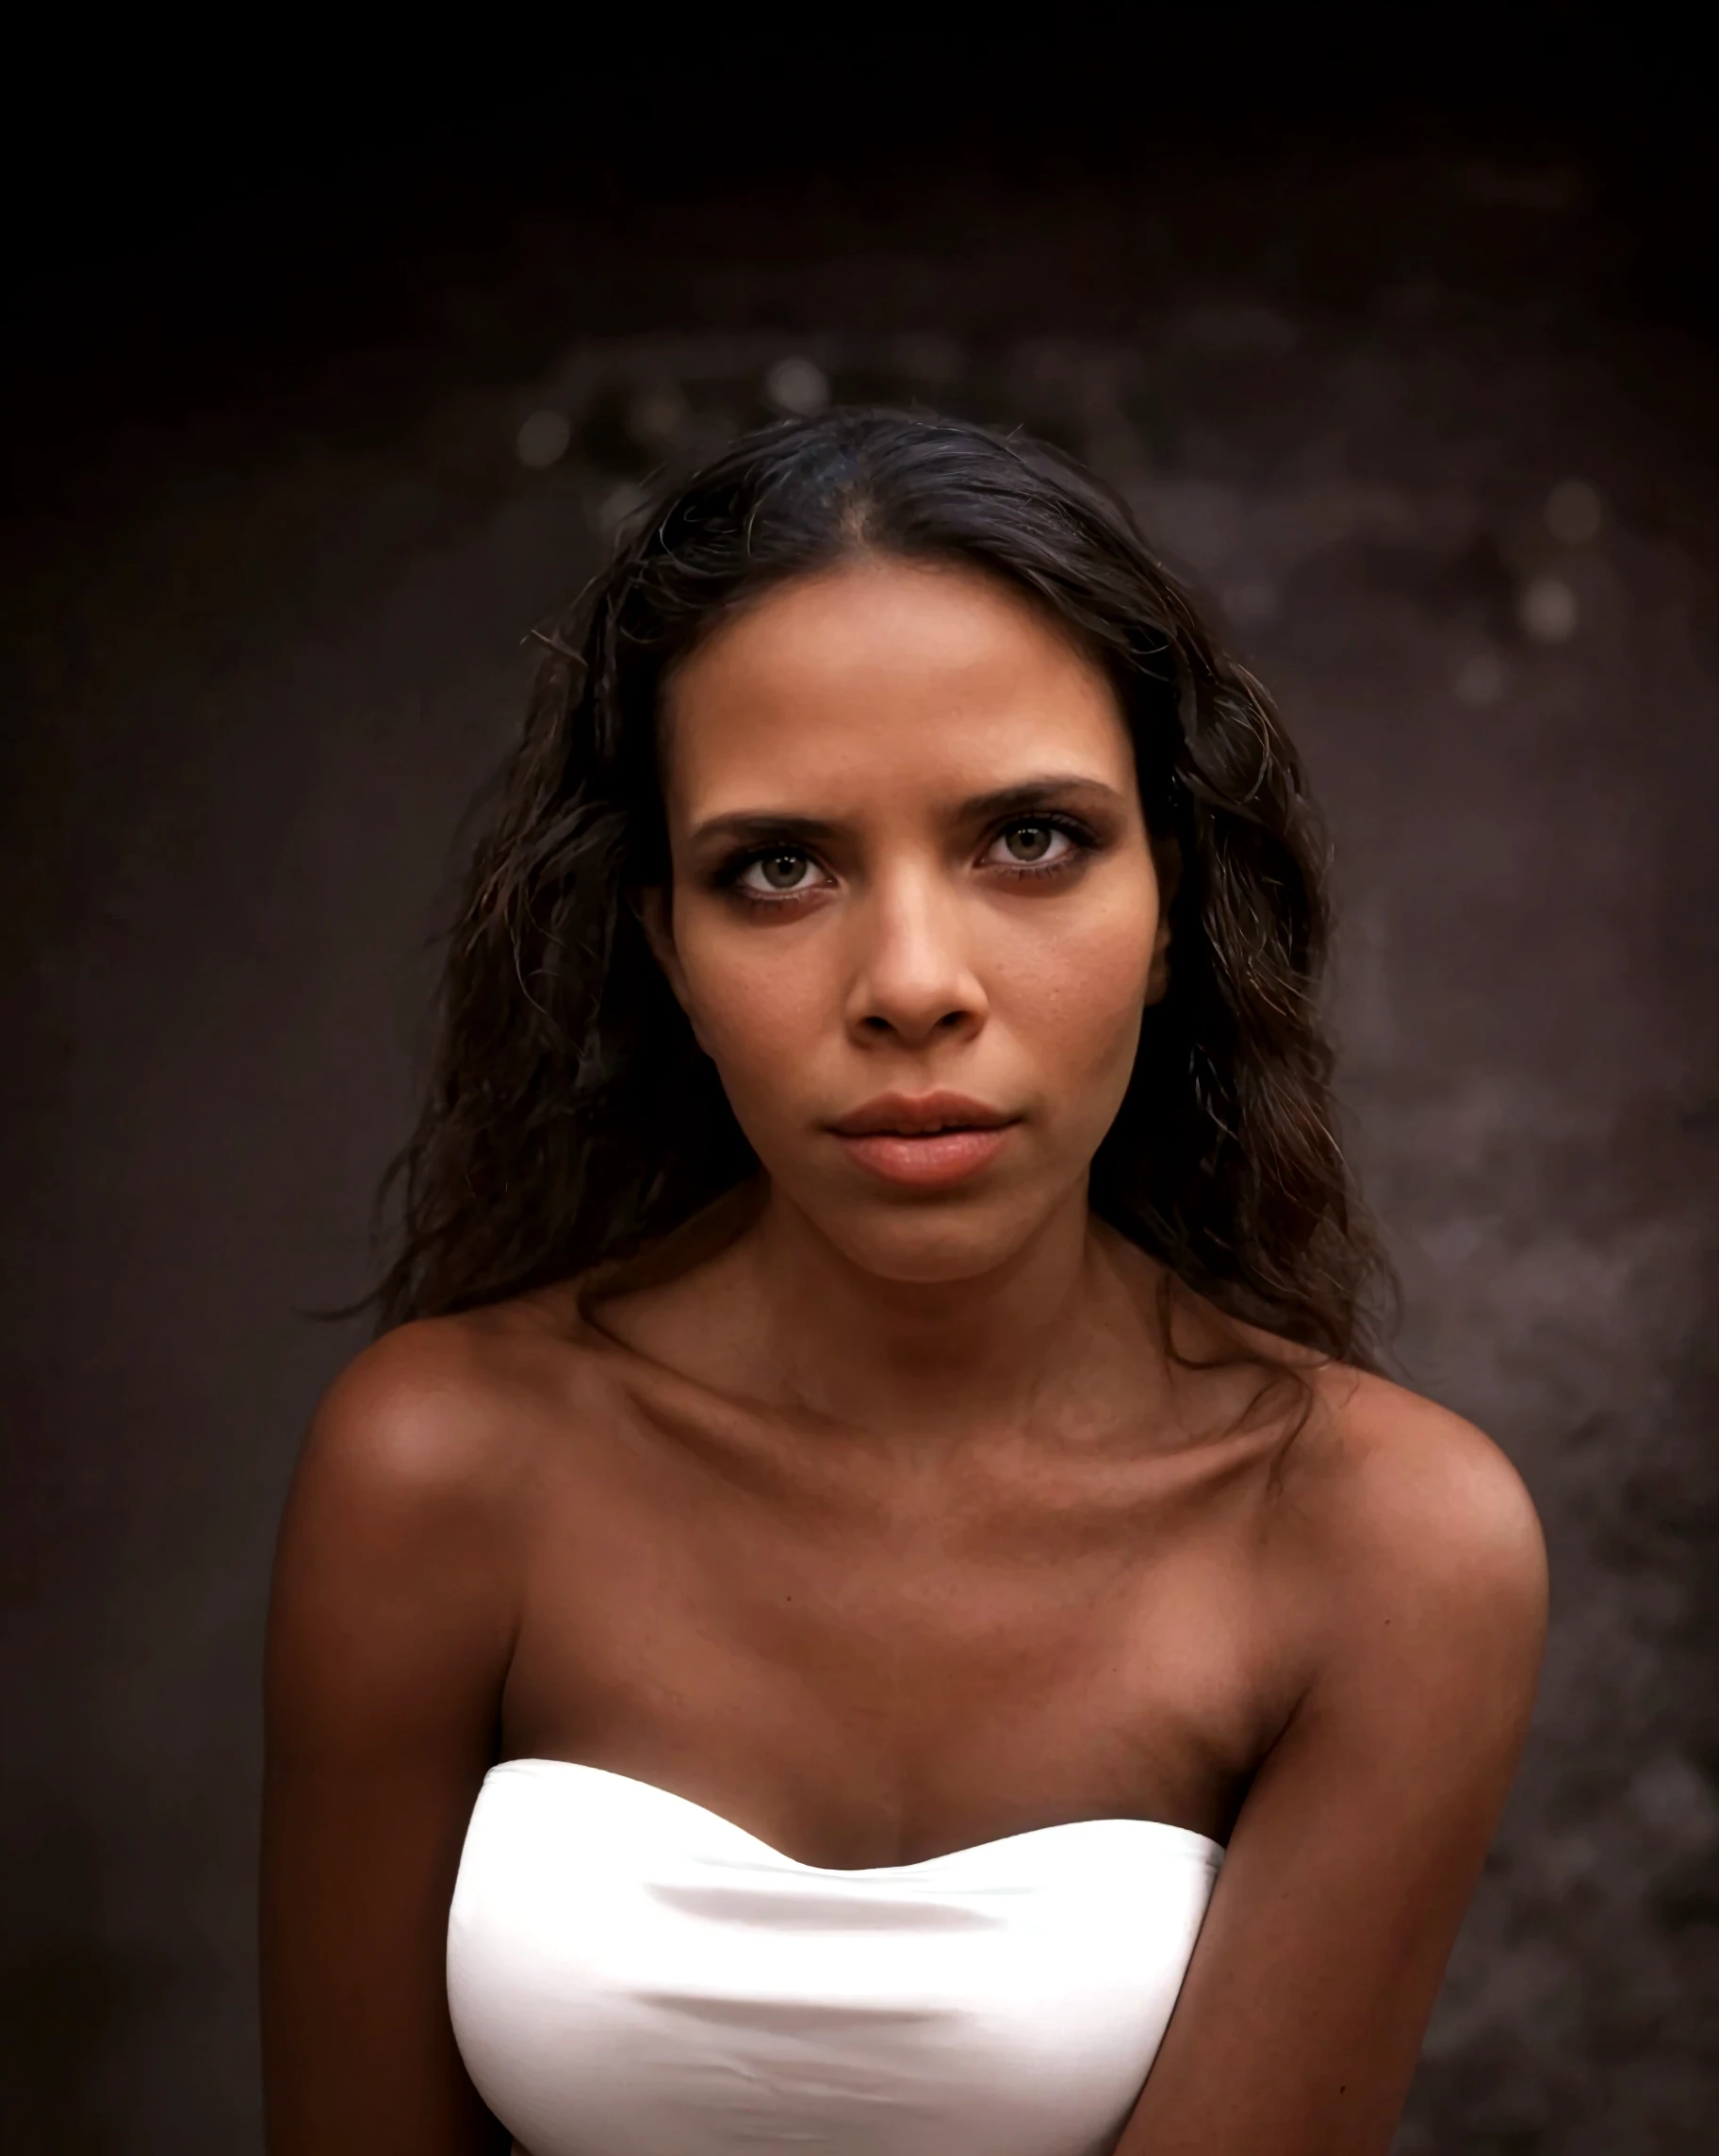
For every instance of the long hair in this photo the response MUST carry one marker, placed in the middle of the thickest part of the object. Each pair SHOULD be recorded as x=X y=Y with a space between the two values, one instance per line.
x=572 y=1119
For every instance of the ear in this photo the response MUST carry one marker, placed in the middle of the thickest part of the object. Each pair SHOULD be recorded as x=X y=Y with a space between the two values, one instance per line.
x=655 y=911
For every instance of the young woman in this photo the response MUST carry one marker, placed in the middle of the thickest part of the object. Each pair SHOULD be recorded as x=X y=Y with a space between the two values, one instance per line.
x=871 y=1561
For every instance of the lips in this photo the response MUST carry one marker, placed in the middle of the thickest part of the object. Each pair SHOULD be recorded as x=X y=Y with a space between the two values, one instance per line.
x=905 y=1116
x=925 y=1144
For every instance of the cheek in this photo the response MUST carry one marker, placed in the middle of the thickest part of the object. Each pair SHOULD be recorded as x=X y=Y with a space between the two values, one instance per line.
x=759 y=1005
x=1075 y=995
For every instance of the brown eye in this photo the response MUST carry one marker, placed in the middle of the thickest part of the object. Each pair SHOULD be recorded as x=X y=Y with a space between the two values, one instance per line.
x=780 y=873
x=1030 y=841
x=1036 y=844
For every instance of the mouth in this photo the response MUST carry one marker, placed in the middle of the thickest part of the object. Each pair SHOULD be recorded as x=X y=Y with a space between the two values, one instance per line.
x=926 y=1144
x=900 y=1115
x=915 y=1130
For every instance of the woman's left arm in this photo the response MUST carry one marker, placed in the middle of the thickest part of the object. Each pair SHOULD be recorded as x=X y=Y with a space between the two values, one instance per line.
x=1418 y=1569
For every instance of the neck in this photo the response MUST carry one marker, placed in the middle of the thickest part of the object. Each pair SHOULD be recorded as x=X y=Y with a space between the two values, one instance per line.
x=924 y=1363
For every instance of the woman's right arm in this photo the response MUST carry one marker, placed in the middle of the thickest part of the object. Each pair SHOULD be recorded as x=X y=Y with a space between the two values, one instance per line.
x=390 y=1628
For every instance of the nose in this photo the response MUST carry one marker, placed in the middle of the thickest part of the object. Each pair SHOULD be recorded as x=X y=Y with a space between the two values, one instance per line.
x=912 y=975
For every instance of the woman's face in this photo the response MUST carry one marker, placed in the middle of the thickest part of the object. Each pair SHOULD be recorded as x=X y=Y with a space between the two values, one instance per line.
x=908 y=859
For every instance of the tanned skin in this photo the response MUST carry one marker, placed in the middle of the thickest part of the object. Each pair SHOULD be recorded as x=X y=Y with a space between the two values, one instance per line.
x=881 y=1520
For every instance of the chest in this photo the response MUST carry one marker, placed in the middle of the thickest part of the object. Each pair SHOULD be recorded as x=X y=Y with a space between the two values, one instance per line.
x=963 y=1654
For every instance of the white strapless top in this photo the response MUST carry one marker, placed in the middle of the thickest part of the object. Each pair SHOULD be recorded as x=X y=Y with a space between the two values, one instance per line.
x=632 y=1975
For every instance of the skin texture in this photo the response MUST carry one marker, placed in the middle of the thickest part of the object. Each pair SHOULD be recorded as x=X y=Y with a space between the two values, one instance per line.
x=880 y=1520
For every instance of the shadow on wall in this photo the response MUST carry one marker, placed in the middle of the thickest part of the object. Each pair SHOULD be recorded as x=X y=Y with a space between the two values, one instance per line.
x=66 y=1999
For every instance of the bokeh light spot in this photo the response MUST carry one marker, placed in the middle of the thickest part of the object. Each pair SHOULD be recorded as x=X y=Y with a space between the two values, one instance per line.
x=543 y=440
x=1480 y=681
x=1548 y=611
x=1573 y=513
x=797 y=386
x=622 y=501
x=657 y=419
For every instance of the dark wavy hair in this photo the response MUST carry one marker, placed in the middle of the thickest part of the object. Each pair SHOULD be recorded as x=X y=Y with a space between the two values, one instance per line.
x=572 y=1119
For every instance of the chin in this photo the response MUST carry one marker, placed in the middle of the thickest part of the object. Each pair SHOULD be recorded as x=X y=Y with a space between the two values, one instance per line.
x=935 y=1241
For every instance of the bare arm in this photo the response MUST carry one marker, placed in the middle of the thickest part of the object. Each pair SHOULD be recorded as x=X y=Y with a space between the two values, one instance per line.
x=1361 y=1842
x=389 y=1634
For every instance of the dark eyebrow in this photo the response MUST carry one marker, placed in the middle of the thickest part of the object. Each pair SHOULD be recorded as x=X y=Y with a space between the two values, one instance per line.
x=756 y=826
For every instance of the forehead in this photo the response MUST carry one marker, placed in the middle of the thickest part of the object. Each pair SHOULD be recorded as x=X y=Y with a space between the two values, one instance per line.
x=934 y=675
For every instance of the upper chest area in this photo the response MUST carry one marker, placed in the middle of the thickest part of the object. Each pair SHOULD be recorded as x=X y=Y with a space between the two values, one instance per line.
x=763 y=1564
x=1047 y=1502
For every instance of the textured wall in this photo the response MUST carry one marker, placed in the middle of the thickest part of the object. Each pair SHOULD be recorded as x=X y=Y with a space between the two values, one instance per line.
x=1455 y=496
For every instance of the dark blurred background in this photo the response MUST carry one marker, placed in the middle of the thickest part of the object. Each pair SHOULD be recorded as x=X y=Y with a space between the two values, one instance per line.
x=332 y=362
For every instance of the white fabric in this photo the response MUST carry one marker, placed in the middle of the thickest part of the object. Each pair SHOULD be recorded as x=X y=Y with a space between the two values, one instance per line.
x=632 y=1975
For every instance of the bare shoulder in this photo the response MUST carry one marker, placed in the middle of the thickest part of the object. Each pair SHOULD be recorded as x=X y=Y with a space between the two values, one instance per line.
x=1416 y=1513
x=399 y=1571
x=448 y=1408
x=1378 y=1480
x=1410 y=1473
